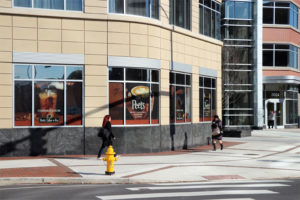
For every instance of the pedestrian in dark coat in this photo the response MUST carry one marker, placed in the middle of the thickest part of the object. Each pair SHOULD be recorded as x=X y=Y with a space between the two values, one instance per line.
x=106 y=134
x=217 y=132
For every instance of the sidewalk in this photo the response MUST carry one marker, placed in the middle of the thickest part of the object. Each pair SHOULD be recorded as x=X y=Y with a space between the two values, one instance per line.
x=269 y=154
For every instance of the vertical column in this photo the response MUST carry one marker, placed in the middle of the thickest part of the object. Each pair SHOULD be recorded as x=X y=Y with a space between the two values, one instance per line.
x=257 y=79
x=96 y=73
x=6 y=71
x=195 y=95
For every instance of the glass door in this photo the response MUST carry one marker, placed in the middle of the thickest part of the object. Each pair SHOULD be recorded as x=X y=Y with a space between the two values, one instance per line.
x=274 y=113
x=279 y=114
x=270 y=115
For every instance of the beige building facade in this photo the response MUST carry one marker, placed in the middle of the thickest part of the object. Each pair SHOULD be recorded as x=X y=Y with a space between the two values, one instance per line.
x=94 y=42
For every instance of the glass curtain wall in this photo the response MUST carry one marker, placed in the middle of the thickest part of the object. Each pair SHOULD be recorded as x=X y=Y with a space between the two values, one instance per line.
x=237 y=61
x=280 y=13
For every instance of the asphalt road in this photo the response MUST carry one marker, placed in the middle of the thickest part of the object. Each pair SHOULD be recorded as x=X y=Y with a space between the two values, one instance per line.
x=230 y=190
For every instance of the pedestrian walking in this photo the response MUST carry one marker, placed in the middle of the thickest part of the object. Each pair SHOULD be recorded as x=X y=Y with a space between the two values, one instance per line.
x=106 y=134
x=217 y=132
x=271 y=119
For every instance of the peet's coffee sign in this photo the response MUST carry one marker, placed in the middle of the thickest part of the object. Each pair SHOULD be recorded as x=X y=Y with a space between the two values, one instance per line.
x=274 y=95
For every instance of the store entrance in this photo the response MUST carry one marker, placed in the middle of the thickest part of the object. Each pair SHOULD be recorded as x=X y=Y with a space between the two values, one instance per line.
x=275 y=106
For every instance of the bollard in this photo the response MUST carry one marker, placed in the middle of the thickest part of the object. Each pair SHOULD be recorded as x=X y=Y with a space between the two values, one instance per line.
x=110 y=159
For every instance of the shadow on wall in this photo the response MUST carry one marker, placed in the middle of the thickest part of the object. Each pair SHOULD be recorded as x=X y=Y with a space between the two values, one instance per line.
x=37 y=137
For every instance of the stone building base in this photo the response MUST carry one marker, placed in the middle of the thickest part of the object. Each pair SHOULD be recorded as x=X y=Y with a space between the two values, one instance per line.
x=84 y=140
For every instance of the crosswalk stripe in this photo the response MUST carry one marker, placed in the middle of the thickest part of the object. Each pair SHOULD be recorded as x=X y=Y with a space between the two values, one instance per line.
x=207 y=186
x=226 y=181
x=233 y=199
x=185 y=194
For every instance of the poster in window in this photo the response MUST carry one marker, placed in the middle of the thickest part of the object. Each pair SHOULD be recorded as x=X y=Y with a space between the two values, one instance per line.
x=180 y=104
x=188 y=104
x=137 y=103
x=207 y=105
x=213 y=100
x=116 y=102
x=201 y=103
x=74 y=103
x=154 y=104
x=172 y=103
x=49 y=103
x=23 y=103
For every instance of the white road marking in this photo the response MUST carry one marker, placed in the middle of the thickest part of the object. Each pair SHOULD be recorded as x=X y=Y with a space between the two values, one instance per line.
x=226 y=181
x=207 y=186
x=234 y=199
x=185 y=194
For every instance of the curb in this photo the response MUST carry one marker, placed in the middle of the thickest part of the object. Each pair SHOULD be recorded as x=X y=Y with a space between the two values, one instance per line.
x=54 y=180
x=62 y=180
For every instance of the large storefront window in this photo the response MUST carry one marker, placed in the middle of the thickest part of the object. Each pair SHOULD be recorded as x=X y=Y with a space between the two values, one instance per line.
x=280 y=55
x=71 y=5
x=180 y=98
x=280 y=13
x=48 y=95
x=207 y=98
x=145 y=8
x=292 y=107
x=180 y=13
x=210 y=18
x=133 y=96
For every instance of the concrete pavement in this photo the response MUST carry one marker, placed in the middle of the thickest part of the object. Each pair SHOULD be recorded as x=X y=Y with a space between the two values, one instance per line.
x=268 y=154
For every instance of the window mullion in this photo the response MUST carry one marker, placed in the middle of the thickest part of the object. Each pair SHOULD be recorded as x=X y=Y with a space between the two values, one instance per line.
x=124 y=96
x=32 y=95
x=65 y=96
x=125 y=11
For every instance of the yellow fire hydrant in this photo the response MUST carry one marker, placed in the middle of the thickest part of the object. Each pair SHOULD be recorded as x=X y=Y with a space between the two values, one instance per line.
x=110 y=159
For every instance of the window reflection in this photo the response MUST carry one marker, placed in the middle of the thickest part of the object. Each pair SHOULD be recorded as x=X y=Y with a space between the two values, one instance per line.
x=49 y=72
x=74 y=73
x=238 y=10
x=280 y=13
x=22 y=72
x=146 y=8
x=180 y=13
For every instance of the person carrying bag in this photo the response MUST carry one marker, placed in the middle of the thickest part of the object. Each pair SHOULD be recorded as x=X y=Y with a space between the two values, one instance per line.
x=106 y=134
x=217 y=132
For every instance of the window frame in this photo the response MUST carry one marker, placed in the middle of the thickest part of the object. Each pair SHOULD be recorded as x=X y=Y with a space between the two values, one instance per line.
x=173 y=17
x=125 y=13
x=33 y=80
x=217 y=14
x=65 y=7
x=293 y=9
x=124 y=81
x=289 y=50
x=184 y=86
x=211 y=88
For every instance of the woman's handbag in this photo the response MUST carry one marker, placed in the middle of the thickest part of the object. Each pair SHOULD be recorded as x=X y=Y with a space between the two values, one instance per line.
x=216 y=131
